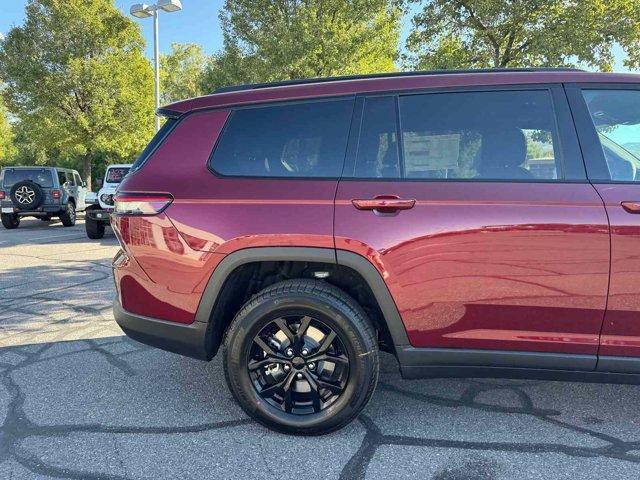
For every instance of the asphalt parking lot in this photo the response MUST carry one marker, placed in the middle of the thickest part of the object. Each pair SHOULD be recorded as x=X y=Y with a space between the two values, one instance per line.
x=80 y=400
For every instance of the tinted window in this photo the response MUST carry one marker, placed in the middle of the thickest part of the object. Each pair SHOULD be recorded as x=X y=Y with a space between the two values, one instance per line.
x=378 y=143
x=155 y=141
x=62 y=177
x=76 y=179
x=616 y=116
x=41 y=176
x=299 y=140
x=116 y=174
x=508 y=135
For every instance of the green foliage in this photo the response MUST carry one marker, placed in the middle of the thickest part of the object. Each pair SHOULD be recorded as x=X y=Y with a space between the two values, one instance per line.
x=523 y=33
x=7 y=149
x=181 y=72
x=288 y=39
x=77 y=80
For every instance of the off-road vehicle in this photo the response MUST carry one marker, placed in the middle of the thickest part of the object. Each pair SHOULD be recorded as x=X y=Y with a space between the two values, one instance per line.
x=482 y=223
x=41 y=192
x=97 y=214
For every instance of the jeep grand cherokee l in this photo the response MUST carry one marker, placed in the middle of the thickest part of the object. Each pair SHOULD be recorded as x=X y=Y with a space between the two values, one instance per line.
x=470 y=223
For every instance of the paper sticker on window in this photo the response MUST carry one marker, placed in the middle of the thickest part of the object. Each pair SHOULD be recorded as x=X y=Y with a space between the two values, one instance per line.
x=431 y=152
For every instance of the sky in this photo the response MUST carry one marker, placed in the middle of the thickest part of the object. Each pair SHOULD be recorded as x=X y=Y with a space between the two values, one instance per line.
x=196 y=23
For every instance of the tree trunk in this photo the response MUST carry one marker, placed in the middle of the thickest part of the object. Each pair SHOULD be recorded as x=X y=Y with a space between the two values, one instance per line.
x=86 y=168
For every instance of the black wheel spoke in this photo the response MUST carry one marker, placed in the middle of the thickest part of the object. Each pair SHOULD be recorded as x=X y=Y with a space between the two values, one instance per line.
x=282 y=324
x=271 y=389
x=304 y=324
x=315 y=394
x=326 y=343
x=332 y=387
x=288 y=402
x=265 y=348
x=256 y=364
x=337 y=359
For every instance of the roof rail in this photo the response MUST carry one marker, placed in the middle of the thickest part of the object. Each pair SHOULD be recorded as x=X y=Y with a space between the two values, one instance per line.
x=283 y=83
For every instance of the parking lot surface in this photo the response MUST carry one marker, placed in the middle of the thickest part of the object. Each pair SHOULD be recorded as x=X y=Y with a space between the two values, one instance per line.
x=80 y=400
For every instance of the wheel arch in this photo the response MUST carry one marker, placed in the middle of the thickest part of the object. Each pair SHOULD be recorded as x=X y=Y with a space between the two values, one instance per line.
x=214 y=306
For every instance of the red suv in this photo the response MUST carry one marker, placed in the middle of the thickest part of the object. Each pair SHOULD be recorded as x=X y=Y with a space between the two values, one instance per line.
x=480 y=223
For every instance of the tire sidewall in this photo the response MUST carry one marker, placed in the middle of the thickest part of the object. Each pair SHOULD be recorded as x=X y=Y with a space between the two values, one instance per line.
x=67 y=219
x=10 y=221
x=95 y=230
x=361 y=367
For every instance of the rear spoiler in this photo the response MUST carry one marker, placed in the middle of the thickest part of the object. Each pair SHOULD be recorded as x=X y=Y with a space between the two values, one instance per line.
x=167 y=113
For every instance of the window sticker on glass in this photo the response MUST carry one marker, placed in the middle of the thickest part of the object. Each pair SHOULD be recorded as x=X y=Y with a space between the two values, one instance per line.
x=425 y=152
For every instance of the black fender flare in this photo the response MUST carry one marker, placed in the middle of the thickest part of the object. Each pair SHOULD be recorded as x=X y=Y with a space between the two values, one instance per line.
x=345 y=258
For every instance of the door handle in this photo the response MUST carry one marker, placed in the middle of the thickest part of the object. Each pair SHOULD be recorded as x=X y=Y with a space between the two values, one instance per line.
x=631 y=207
x=384 y=203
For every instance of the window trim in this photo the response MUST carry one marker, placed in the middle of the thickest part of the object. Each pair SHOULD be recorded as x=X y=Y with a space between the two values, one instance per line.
x=568 y=145
x=157 y=144
x=232 y=110
x=595 y=161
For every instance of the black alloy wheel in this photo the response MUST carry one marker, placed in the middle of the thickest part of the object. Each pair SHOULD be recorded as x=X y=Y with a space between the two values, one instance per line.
x=298 y=364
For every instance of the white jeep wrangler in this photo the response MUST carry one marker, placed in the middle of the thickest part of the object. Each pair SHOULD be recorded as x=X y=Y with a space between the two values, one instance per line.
x=97 y=215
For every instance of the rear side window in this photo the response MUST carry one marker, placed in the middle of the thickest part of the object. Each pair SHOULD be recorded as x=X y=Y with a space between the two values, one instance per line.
x=62 y=177
x=153 y=144
x=506 y=135
x=303 y=140
x=41 y=176
x=616 y=117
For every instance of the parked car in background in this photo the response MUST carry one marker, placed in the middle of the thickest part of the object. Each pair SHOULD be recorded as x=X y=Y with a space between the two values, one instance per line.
x=97 y=215
x=41 y=192
x=469 y=223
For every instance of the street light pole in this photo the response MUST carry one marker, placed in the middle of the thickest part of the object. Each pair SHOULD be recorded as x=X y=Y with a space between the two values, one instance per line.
x=142 y=10
x=156 y=63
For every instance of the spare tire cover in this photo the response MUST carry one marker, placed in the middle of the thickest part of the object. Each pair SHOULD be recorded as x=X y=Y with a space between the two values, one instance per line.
x=26 y=195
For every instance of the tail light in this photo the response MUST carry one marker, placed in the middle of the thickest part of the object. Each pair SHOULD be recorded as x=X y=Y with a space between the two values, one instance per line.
x=56 y=194
x=2 y=195
x=141 y=203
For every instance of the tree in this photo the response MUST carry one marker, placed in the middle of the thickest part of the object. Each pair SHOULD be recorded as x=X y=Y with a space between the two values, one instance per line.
x=181 y=72
x=77 y=78
x=288 y=39
x=523 y=33
x=7 y=149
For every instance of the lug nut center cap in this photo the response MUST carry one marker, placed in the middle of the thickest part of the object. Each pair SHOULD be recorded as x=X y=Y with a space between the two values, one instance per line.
x=298 y=362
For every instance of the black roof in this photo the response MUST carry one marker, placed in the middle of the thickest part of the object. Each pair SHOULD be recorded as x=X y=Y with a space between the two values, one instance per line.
x=253 y=86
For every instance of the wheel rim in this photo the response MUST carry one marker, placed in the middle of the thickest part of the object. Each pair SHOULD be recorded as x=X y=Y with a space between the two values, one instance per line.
x=298 y=364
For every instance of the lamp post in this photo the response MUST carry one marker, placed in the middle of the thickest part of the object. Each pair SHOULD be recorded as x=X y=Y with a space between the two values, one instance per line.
x=142 y=10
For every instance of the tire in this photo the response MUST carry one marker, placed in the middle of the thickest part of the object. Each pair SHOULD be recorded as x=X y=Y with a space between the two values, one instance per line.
x=329 y=309
x=10 y=220
x=95 y=230
x=26 y=195
x=68 y=216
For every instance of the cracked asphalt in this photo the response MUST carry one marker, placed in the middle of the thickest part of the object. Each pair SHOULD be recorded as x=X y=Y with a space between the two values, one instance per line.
x=80 y=400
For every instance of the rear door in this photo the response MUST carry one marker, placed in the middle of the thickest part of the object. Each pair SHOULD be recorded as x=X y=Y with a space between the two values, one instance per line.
x=474 y=207
x=608 y=119
x=81 y=191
